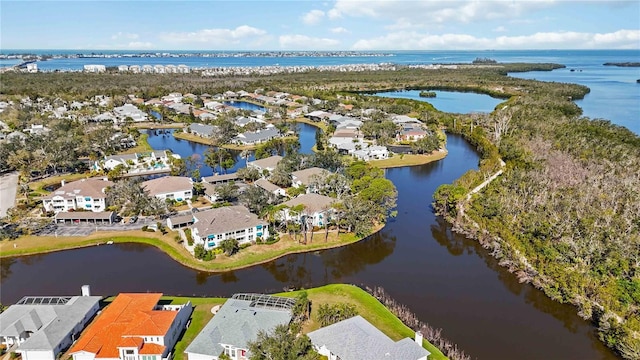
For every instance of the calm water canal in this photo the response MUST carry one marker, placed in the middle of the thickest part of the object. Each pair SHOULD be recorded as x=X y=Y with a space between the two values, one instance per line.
x=447 y=280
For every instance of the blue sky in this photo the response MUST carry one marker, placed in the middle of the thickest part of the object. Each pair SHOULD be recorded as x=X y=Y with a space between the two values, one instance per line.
x=320 y=25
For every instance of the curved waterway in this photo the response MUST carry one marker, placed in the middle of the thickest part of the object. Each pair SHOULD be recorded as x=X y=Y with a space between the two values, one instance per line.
x=446 y=279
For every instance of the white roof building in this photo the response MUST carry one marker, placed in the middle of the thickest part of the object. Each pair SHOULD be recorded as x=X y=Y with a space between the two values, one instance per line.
x=43 y=326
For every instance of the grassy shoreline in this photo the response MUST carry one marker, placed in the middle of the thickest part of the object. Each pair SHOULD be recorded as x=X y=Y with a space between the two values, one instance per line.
x=251 y=256
x=368 y=307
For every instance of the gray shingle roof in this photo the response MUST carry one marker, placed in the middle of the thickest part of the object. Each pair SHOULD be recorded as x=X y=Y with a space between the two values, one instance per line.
x=251 y=137
x=270 y=162
x=236 y=323
x=50 y=324
x=304 y=176
x=356 y=339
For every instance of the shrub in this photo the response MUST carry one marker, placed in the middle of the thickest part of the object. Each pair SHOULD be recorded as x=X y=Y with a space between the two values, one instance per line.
x=187 y=233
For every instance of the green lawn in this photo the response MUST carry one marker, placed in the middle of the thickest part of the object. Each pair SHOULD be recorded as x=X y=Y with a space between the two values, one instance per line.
x=408 y=160
x=368 y=307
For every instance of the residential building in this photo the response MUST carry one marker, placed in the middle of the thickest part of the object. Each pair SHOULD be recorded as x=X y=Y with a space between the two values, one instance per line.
x=237 y=323
x=112 y=161
x=43 y=326
x=304 y=177
x=123 y=68
x=178 y=188
x=411 y=132
x=270 y=187
x=130 y=111
x=404 y=119
x=356 y=339
x=268 y=164
x=32 y=68
x=85 y=194
x=257 y=137
x=133 y=327
x=220 y=178
x=202 y=130
x=95 y=68
x=372 y=153
x=230 y=222
x=316 y=207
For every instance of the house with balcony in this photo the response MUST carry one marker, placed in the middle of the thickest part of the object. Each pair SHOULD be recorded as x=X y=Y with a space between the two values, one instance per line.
x=210 y=227
x=316 y=207
x=305 y=177
x=85 y=194
x=237 y=323
x=42 y=327
x=133 y=327
x=178 y=188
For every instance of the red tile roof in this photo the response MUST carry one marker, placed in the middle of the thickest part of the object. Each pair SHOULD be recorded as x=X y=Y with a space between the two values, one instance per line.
x=123 y=323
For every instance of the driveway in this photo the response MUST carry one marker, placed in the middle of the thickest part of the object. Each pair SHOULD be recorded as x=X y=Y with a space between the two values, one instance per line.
x=8 y=190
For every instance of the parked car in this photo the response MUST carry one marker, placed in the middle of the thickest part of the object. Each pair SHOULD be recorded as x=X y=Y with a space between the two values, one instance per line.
x=133 y=219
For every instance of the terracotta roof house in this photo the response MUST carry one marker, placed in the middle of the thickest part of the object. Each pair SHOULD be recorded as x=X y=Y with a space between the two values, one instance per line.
x=356 y=339
x=269 y=163
x=177 y=188
x=133 y=327
x=237 y=323
x=86 y=194
x=230 y=222
x=42 y=326
x=317 y=207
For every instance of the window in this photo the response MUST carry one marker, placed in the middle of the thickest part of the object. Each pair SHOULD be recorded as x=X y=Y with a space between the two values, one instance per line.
x=250 y=237
x=219 y=236
x=250 y=230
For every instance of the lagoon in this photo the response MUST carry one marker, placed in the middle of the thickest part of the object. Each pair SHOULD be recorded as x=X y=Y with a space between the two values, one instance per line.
x=243 y=105
x=450 y=101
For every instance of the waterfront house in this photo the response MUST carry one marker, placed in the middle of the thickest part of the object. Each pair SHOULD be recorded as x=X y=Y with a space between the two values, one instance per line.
x=257 y=137
x=404 y=119
x=237 y=323
x=411 y=132
x=356 y=339
x=270 y=187
x=112 y=161
x=202 y=130
x=95 y=68
x=230 y=222
x=129 y=111
x=318 y=115
x=315 y=206
x=85 y=194
x=178 y=188
x=375 y=152
x=123 y=68
x=41 y=327
x=268 y=164
x=133 y=327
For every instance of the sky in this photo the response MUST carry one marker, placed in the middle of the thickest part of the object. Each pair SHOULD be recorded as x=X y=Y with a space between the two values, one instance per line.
x=363 y=25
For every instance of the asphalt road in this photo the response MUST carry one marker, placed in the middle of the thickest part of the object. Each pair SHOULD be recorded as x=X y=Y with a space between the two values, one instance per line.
x=8 y=190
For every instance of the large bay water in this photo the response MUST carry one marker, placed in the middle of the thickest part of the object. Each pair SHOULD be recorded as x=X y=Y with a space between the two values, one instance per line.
x=446 y=279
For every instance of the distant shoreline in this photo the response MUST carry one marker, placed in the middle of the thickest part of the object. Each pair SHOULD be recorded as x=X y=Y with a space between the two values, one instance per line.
x=622 y=64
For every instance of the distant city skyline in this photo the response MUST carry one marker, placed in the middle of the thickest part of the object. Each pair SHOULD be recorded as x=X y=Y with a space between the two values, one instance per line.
x=361 y=25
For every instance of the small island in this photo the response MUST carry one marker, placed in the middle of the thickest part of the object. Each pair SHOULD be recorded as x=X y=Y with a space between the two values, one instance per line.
x=427 y=94
x=623 y=64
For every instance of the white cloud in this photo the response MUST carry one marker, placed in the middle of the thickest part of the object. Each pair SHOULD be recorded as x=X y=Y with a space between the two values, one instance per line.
x=121 y=35
x=412 y=40
x=407 y=14
x=139 y=45
x=216 y=36
x=303 y=42
x=313 y=17
x=500 y=29
x=339 y=30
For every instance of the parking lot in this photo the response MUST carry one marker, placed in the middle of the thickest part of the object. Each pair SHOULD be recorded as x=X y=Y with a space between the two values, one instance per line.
x=85 y=229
